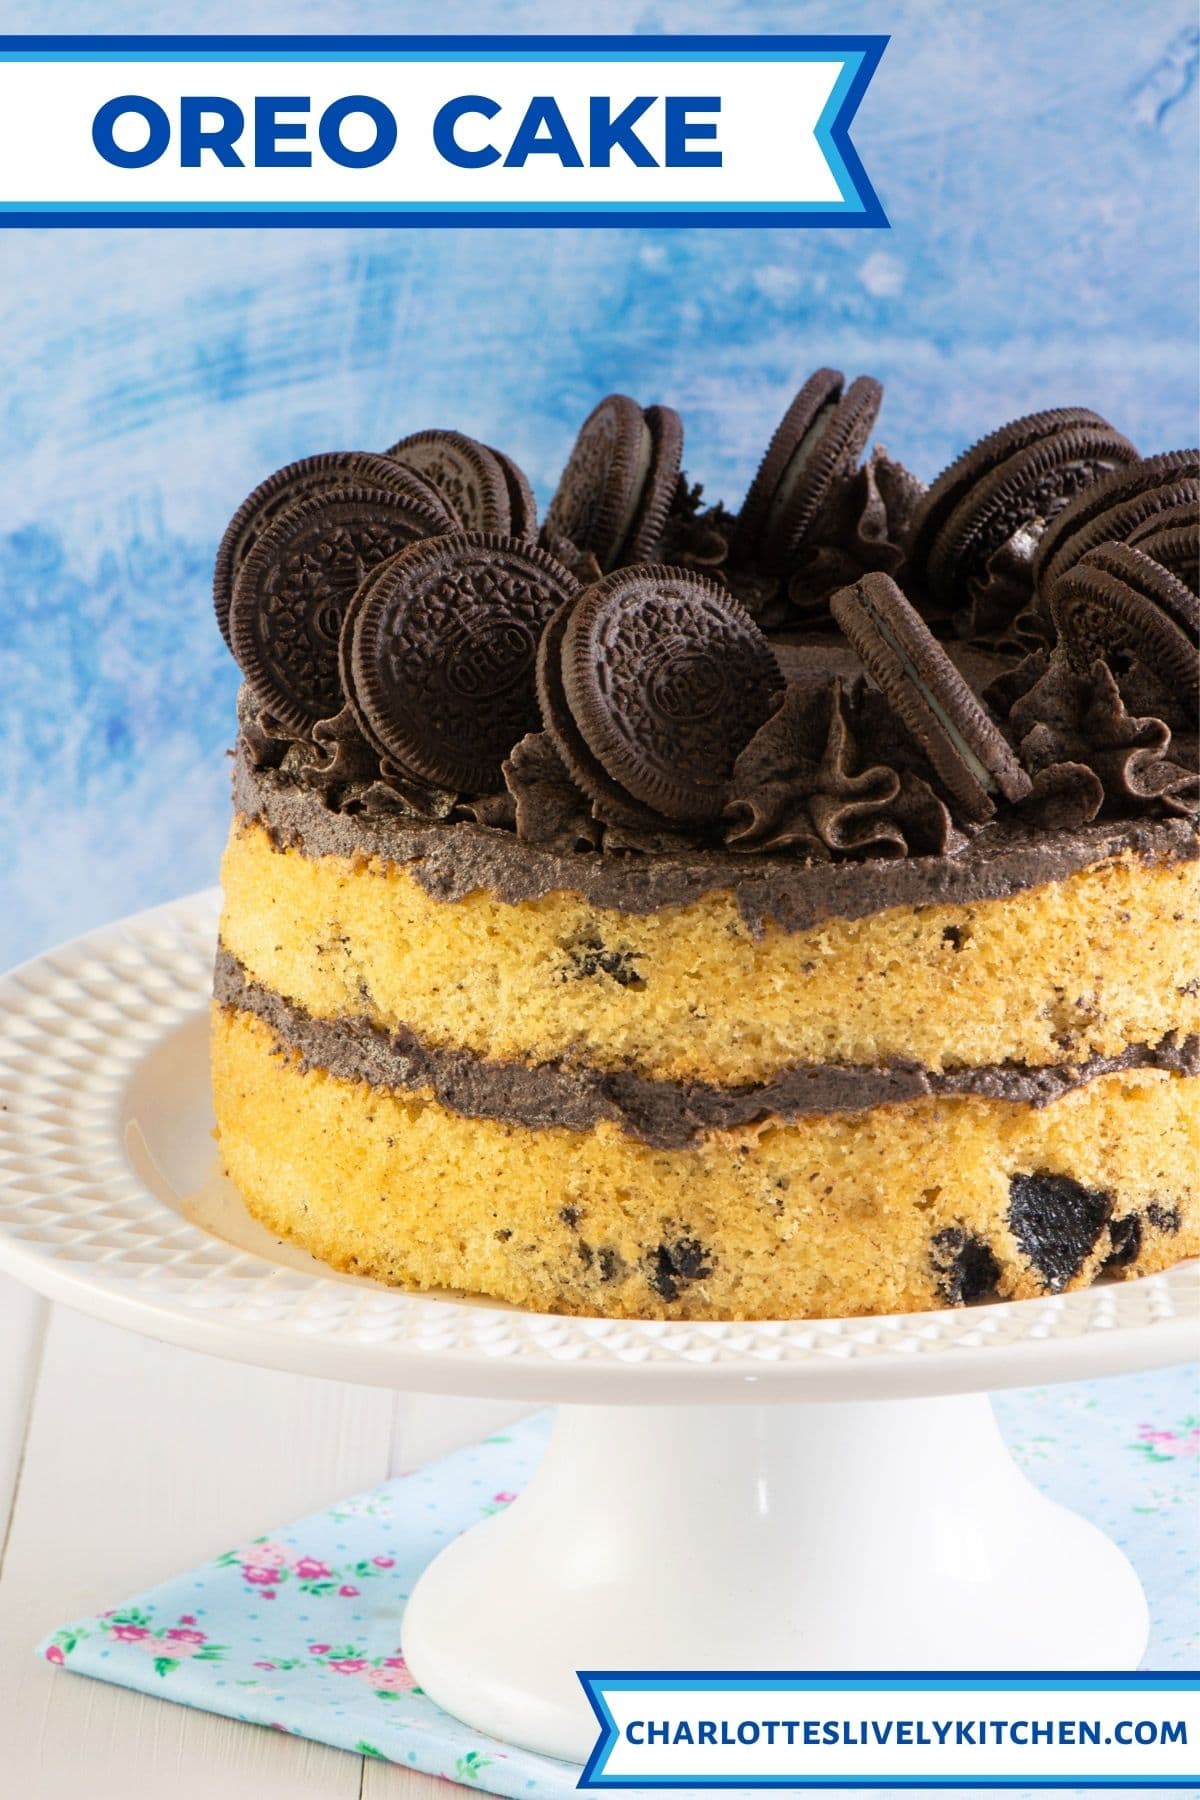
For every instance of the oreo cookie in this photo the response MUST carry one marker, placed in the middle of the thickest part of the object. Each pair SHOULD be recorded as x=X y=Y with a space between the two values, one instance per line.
x=442 y=651
x=587 y=771
x=1065 y=538
x=1117 y=602
x=1172 y=538
x=323 y=474
x=615 y=492
x=1015 y=476
x=820 y=437
x=292 y=591
x=667 y=678
x=1123 y=522
x=470 y=478
x=522 y=507
x=978 y=461
x=960 y=740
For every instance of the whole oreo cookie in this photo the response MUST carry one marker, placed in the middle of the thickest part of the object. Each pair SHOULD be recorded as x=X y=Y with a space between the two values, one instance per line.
x=620 y=478
x=1067 y=537
x=587 y=770
x=470 y=478
x=1172 y=537
x=442 y=653
x=1032 y=481
x=981 y=459
x=961 y=741
x=1124 y=521
x=522 y=507
x=291 y=592
x=323 y=474
x=819 y=438
x=667 y=679
x=1116 y=601
x=354 y=607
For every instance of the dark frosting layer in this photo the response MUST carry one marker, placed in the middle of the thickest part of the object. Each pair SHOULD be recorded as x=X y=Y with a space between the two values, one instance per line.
x=665 y=1114
x=458 y=857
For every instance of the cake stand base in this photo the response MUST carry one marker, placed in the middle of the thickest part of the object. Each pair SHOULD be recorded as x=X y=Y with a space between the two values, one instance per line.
x=870 y=1535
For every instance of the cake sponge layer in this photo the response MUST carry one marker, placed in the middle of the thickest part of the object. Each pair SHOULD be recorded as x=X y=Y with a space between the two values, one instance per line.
x=1075 y=969
x=907 y=1206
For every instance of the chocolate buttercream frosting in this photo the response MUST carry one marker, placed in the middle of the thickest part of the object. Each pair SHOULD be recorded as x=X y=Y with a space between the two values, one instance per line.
x=803 y=785
x=549 y=808
x=862 y=527
x=1087 y=753
x=666 y=1114
x=453 y=858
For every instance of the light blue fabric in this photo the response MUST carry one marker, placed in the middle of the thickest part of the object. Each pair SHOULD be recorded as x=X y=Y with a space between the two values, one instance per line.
x=302 y=1629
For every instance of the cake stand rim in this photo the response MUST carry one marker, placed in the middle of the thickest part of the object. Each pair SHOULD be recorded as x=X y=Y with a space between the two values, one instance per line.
x=148 y=1268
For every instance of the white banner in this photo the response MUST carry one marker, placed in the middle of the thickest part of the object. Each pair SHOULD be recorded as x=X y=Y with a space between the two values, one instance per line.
x=959 y=1731
x=665 y=129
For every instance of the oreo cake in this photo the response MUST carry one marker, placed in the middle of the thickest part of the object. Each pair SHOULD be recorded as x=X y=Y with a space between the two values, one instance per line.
x=676 y=914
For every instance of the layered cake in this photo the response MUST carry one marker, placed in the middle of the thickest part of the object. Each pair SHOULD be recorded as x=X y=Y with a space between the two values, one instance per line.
x=674 y=913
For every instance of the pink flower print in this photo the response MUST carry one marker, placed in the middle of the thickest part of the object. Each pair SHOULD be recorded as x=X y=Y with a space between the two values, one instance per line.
x=394 y=1676
x=347 y=1592
x=129 y=1634
x=319 y=1649
x=348 y=1665
x=311 y=1568
x=181 y=1635
x=261 y=1577
x=389 y=1681
x=264 y=1665
x=1165 y=1446
x=187 y=1618
x=55 y=1655
x=503 y=1498
x=384 y=1562
x=264 y=1556
x=164 y=1646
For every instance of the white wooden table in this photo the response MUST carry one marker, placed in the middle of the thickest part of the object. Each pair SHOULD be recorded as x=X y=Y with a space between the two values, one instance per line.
x=123 y=1461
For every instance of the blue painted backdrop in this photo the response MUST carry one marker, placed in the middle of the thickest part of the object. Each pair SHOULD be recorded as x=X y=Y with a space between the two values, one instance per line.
x=1038 y=164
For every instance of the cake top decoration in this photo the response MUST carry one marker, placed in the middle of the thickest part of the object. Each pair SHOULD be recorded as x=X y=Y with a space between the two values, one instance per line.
x=667 y=678
x=291 y=593
x=619 y=482
x=442 y=652
x=853 y=667
x=821 y=435
x=468 y=476
x=326 y=473
x=965 y=746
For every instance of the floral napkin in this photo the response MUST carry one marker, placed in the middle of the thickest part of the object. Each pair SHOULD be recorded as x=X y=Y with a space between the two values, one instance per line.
x=301 y=1629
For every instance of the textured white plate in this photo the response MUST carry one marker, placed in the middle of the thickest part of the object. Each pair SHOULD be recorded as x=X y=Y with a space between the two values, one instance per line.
x=109 y=1201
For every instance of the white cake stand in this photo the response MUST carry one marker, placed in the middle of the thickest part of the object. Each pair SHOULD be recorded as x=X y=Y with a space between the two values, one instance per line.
x=828 y=1494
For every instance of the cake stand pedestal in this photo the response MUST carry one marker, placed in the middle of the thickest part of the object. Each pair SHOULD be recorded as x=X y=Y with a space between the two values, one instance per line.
x=884 y=1535
x=813 y=1494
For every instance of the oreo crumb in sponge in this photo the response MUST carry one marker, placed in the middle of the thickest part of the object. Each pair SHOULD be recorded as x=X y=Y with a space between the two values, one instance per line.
x=609 y=1263
x=672 y=1266
x=590 y=957
x=1057 y=1223
x=1125 y=1235
x=966 y=1266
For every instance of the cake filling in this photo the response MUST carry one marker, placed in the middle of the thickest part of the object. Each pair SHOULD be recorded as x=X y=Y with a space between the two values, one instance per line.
x=665 y=1114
